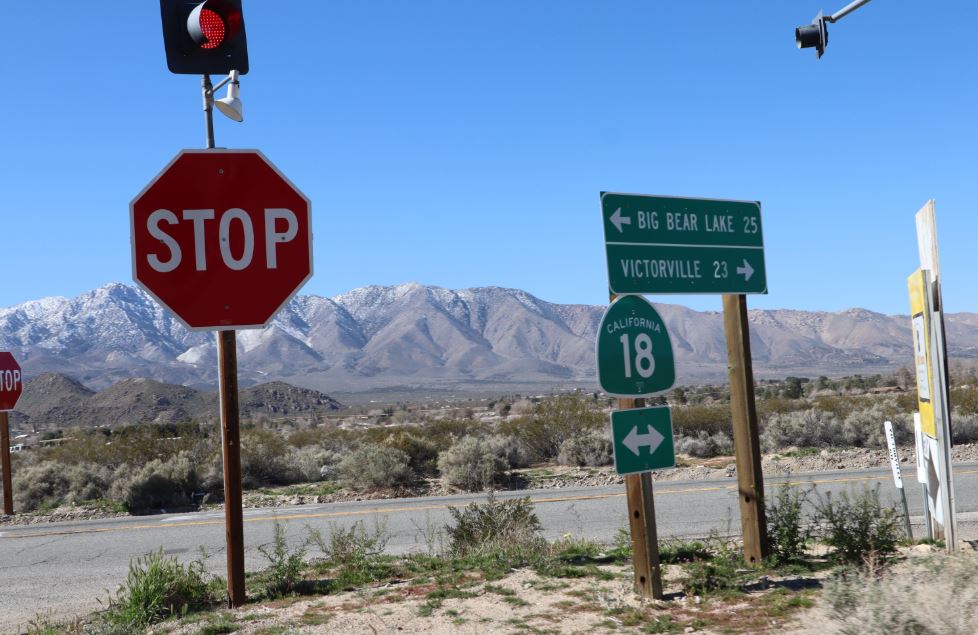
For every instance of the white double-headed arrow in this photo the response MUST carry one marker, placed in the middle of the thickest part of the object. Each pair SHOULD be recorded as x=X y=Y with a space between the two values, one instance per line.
x=651 y=439
x=618 y=220
x=747 y=271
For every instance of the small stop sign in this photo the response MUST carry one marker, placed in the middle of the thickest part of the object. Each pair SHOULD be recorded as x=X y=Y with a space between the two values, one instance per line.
x=11 y=381
x=221 y=238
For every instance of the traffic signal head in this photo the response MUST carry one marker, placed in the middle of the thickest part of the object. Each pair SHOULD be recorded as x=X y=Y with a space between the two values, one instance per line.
x=204 y=37
x=815 y=35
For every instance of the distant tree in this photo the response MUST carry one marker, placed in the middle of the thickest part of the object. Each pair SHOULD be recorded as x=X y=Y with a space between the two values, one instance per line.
x=679 y=396
x=792 y=387
x=903 y=377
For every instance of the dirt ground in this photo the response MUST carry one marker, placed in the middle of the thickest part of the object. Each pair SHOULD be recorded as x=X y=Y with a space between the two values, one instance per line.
x=522 y=602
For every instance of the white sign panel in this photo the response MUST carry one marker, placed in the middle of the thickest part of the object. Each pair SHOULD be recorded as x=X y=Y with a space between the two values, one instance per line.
x=920 y=452
x=894 y=458
x=920 y=357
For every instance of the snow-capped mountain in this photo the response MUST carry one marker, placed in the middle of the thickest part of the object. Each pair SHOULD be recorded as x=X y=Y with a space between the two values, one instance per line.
x=413 y=336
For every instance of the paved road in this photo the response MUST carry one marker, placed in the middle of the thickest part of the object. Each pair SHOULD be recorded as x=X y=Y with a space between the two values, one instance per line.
x=64 y=567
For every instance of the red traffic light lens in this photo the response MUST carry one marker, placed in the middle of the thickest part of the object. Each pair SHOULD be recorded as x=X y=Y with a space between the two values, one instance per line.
x=213 y=29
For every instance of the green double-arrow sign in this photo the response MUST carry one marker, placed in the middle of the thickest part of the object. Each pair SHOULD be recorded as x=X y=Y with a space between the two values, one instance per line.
x=642 y=439
x=662 y=244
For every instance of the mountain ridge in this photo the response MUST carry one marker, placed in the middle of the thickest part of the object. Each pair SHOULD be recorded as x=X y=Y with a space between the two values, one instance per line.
x=417 y=337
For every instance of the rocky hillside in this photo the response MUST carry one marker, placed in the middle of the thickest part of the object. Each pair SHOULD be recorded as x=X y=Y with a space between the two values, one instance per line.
x=51 y=400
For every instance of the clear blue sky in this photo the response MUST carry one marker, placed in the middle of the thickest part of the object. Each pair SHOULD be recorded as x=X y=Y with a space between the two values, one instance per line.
x=464 y=144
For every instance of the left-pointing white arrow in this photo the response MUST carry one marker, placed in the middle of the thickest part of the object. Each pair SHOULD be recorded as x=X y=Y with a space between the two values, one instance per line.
x=747 y=271
x=651 y=439
x=618 y=220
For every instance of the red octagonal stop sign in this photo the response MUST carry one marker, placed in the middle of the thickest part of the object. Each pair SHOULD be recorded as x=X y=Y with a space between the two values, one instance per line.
x=221 y=238
x=11 y=381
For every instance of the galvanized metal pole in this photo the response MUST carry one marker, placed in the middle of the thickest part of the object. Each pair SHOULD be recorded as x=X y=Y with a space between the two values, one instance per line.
x=747 y=444
x=207 y=88
x=227 y=368
x=927 y=519
x=8 y=492
x=906 y=514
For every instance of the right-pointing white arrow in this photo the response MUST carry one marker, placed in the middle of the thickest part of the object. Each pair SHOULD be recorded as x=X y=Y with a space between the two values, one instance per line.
x=618 y=220
x=651 y=439
x=747 y=271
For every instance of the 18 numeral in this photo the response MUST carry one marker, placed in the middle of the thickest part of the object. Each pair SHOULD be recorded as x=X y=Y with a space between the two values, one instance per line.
x=644 y=362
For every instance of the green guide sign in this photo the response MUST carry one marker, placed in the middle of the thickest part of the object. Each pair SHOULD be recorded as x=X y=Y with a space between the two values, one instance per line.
x=663 y=244
x=634 y=352
x=642 y=439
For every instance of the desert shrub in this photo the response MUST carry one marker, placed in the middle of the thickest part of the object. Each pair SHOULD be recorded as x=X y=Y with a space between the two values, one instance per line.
x=806 y=428
x=863 y=427
x=511 y=449
x=709 y=418
x=704 y=445
x=858 y=525
x=39 y=485
x=592 y=450
x=472 y=464
x=327 y=436
x=265 y=459
x=157 y=587
x=964 y=428
x=132 y=444
x=720 y=572
x=159 y=485
x=522 y=407
x=49 y=484
x=965 y=400
x=306 y=463
x=675 y=551
x=778 y=405
x=422 y=453
x=840 y=407
x=787 y=531
x=355 y=554
x=284 y=565
x=929 y=596
x=553 y=421
x=492 y=525
x=375 y=467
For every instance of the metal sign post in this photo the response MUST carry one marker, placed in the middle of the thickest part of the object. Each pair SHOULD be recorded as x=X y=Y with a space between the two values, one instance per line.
x=920 y=454
x=897 y=476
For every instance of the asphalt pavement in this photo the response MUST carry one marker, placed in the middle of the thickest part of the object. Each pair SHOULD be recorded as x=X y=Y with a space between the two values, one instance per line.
x=63 y=568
